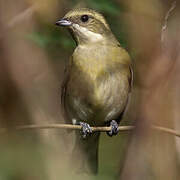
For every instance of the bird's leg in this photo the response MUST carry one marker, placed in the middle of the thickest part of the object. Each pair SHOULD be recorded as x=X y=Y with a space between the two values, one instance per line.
x=114 y=128
x=85 y=130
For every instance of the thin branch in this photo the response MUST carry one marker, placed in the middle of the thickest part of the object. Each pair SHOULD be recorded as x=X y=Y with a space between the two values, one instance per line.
x=164 y=27
x=94 y=129
x=166 y=130
x=66 y=126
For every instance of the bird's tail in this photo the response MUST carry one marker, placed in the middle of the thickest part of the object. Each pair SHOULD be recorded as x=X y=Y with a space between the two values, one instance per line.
x=85 y=154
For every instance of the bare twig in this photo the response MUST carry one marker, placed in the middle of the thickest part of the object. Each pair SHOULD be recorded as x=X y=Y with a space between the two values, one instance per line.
x=95 y=129
x=67 y=126
x=166 y=130
x=164 y=27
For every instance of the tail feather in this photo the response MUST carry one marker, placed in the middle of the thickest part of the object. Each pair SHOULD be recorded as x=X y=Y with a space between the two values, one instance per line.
x=85 y=154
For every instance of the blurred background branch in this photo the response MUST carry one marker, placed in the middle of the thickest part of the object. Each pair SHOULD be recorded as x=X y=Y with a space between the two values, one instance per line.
x=19 y=18
x=164 y=27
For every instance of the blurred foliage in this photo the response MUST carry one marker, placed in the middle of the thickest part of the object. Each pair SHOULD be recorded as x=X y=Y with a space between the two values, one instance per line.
x=52 y=40
x=21 y=158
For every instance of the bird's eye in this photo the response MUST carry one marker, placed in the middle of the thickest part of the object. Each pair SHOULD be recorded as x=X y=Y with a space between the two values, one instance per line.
x=84 y=18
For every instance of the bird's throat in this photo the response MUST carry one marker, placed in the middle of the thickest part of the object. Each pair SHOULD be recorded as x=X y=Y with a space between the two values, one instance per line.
x=84 y=35
x=89 y=61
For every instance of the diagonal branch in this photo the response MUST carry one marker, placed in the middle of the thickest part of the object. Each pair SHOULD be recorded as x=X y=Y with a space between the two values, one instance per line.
x=164 y=27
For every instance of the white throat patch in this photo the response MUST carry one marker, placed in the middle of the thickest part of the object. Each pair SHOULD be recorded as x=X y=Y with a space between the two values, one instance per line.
x=92 y=36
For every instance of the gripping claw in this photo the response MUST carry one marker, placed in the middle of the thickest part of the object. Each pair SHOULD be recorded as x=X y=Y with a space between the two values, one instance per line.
x=114 y=128
x=85 y=130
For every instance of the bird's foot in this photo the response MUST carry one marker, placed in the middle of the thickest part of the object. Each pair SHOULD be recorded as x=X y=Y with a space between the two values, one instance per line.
x=114 y=128
x=86 y=130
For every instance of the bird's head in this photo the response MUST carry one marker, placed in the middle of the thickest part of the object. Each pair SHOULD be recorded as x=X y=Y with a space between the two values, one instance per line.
x=86 y=25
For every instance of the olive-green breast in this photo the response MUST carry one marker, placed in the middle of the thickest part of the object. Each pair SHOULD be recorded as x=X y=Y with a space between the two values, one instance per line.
x=98 y=84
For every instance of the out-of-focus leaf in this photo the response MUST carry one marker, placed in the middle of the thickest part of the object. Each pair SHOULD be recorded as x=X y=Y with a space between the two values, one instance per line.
x=39 y=39
x=51 y=39
x=105 y=6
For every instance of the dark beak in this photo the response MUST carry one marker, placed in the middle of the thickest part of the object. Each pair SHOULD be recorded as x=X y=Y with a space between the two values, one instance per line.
x=63 y=22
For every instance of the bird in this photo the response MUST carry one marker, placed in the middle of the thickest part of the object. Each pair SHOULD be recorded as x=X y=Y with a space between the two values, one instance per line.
x=97 y=83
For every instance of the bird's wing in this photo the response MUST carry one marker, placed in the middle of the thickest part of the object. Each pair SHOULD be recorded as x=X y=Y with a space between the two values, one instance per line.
x=131 y=78
x=64 y=90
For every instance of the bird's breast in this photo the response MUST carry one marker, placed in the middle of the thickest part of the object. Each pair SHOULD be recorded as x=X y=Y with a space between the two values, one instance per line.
x=96 y=98
x=98 y=88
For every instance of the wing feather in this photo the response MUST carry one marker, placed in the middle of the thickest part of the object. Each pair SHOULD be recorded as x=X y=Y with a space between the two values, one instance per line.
x=64 y=91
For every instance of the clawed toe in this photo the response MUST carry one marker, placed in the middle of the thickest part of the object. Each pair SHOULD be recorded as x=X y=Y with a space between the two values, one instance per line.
x=85 y=130
x=114 y=128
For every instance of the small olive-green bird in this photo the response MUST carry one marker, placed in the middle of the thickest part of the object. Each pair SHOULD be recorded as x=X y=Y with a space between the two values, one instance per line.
x=97 y=83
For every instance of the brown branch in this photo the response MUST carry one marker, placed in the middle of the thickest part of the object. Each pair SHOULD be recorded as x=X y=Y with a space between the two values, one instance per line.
x=164 y=27
x=66 y=126
x=95 y=129
x=166 y=130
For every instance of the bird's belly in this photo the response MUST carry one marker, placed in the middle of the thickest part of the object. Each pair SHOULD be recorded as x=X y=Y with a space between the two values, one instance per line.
x=96 y=104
